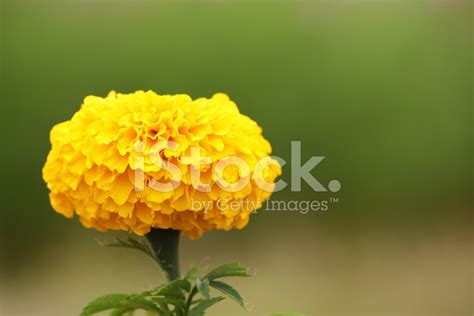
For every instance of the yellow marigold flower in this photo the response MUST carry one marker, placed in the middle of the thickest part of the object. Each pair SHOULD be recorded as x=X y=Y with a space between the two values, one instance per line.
x=101 y=163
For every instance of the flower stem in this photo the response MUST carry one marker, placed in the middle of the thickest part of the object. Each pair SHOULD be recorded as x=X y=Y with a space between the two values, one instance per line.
x=165 y=244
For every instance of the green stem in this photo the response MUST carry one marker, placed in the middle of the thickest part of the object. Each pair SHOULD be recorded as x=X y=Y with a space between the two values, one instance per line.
x=165 y=244
x=190 y=299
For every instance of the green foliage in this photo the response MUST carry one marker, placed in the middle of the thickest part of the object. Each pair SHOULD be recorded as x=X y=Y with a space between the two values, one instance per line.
x=132 y=243
x=228 y=290
x=227 y=270
x=203 y=287
x=187 y=296
x=203 y=305
x=172 y=288
x=190 y=295
x=125 y=311
x=121 y=303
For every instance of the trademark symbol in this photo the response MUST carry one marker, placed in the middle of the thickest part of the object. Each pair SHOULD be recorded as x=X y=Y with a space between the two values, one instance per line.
x=334 y=200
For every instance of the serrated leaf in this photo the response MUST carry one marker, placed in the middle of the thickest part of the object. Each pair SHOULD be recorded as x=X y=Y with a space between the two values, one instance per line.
x=104 y=303
x=132 y=243
x=115 y=301
x=199 y=309
x=203 y=287
x=228 y=290
x=227 y=270
x=173 y=288
x=142 y=303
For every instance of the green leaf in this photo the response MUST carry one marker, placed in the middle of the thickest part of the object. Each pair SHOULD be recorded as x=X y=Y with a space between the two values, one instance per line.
x=132 y=243
x=203 y=287
x=104 y=303
x=228 y=290
x=196 y=301
x=120 y=311
x=170 y=301
x=142 y=303
x=116 y=301
x=173 y=288
x=227 y=270
x=199 y=309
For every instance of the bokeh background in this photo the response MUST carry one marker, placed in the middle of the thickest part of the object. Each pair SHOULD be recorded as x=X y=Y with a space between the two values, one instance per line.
x=383 y=89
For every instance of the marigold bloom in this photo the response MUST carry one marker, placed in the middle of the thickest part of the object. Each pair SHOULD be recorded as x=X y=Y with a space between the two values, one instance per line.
x=92 y=167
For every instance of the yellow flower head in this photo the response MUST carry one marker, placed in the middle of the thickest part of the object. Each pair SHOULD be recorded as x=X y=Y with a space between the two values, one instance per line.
x=142 y=160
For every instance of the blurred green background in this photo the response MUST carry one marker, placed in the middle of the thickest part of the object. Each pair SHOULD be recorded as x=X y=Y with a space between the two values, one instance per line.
x=383 y=89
